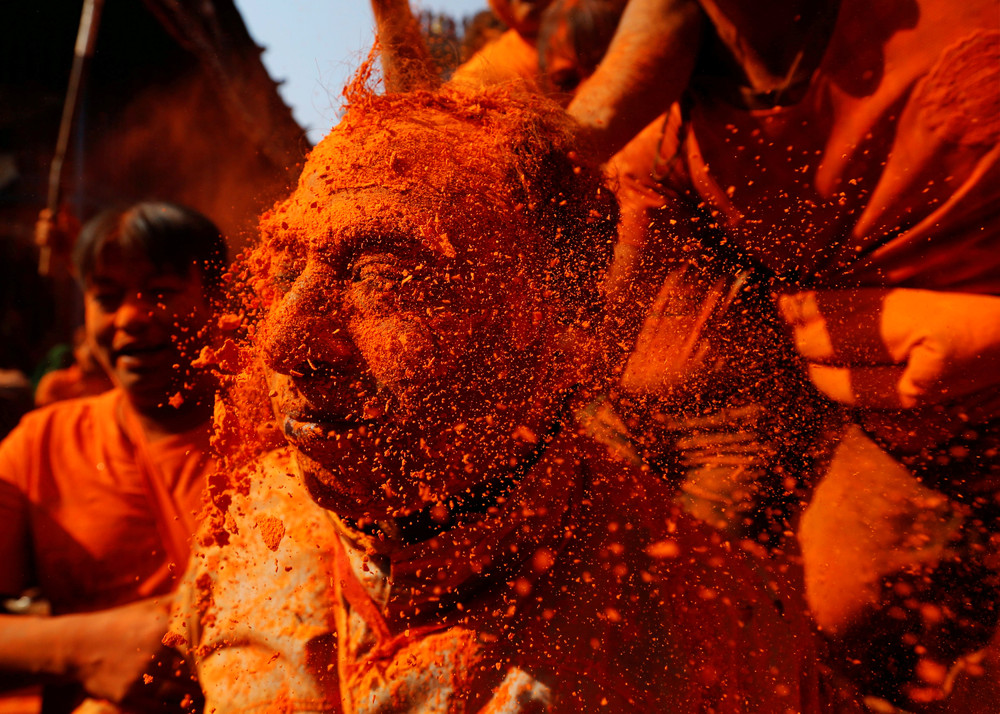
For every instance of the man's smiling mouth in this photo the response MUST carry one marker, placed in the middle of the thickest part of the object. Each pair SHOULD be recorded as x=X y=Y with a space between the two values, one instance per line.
x=136 y=354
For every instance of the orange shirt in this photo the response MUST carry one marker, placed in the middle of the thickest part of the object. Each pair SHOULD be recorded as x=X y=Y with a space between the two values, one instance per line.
x=886 y=172
x=79 y=514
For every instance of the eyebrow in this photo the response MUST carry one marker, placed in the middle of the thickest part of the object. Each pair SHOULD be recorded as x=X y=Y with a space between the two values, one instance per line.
x=100 y=281
x=389 y=237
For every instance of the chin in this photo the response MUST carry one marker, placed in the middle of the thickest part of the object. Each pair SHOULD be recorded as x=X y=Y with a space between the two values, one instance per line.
x=354 y=490
x=376 y=470
x=345 y=472
x=343 y=493
x=145 y=397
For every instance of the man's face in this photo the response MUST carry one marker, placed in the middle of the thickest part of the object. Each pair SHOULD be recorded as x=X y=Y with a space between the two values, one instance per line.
x=406 y=338
x=143 y=325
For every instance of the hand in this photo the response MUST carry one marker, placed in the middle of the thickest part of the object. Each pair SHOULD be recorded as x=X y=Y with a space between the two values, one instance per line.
x=674 y=342
x=58 y=230
x=896 y=348
x=117 y=654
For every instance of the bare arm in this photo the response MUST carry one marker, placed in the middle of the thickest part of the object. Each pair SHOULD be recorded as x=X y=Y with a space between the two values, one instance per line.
x=31 y=651
x=406 y=63
x=106 y=652
x=897 y=348
x=646 y=68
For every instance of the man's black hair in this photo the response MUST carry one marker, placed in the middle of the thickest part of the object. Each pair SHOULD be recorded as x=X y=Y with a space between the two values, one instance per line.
x=173 y=238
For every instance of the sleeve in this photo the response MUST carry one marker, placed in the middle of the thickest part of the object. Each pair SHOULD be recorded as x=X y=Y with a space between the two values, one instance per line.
x=15 y=551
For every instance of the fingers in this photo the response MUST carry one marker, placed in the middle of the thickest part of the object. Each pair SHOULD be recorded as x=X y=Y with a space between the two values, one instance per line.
x=668 y=347
x=896 y=348
x=167 y=682
x=809 y=331
x=916 y=383
x=838 y=327
x=739 y=419
x=671 y=298
x=933 y=375
x=661 y=358
x=921 y=382
x=876 y=387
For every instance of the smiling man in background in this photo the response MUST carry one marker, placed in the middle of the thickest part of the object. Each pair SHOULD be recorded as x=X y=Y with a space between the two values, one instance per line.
x=98 y=495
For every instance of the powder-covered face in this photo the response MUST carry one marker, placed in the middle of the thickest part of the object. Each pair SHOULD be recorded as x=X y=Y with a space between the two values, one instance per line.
x=407 y=336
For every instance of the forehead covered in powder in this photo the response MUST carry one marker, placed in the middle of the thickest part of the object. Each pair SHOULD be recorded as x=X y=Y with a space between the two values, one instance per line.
x=426 y=144
x=470 y=169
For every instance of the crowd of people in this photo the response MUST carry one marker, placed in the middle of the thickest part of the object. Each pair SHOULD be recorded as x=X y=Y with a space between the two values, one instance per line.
x=649 y=364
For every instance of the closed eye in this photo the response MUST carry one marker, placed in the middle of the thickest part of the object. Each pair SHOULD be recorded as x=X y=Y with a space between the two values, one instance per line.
x=283 y=274
x=282 y=282
x=378 y=270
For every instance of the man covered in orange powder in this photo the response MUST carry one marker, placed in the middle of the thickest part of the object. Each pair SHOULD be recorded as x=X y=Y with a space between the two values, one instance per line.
x=98 y=495
x=430 y=295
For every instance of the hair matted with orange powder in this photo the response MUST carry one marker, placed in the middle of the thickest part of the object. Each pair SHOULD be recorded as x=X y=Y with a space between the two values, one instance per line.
x=462 y=149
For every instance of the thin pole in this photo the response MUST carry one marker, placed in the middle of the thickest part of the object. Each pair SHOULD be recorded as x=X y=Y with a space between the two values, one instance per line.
x=85 y=40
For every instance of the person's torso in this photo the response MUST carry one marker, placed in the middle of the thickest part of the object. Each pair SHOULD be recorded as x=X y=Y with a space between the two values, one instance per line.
x=885 y=171
x=97 y=532
x=625 y=605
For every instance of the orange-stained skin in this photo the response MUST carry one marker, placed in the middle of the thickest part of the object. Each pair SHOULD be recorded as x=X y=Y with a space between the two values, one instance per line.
x=406 y=278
